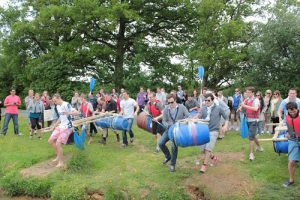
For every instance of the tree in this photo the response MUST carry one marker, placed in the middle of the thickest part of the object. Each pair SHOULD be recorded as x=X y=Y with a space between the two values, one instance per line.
x=275 y=53
x=221 y=41
x=110 y=40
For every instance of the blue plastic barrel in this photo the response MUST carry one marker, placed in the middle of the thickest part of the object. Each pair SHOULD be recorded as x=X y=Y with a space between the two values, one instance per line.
x=189 y=134
x=281 y=146
x=120 y=123
x=193 y=113
x=104 y=123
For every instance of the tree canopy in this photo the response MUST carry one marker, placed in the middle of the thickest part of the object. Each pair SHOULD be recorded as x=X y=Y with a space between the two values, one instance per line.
x=57 y=45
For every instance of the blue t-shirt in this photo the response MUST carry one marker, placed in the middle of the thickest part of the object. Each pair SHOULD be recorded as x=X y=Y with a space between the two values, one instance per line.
x=283 y=105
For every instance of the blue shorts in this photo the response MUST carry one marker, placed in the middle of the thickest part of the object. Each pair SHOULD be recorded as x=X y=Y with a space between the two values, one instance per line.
x=252 y=130
x=294 y=150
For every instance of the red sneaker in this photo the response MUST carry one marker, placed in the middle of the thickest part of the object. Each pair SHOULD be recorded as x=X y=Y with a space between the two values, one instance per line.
x=215 y=160
x=203 y=168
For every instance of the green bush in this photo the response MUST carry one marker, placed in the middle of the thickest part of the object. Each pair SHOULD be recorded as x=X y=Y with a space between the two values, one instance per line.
x=15 y=185
x=68 y=191
x=79 y=162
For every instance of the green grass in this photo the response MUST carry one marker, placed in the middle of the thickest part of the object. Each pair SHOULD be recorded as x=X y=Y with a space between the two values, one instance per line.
x=131 y=173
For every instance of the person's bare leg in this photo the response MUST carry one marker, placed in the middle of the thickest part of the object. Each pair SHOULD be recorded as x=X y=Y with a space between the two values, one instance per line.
x=291 y=167
x=252 y=145
x=52 y=143
x=60 y=155
x=39 y=132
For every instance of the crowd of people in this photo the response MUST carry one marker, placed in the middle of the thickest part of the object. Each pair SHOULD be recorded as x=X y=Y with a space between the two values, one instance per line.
x=220 y=112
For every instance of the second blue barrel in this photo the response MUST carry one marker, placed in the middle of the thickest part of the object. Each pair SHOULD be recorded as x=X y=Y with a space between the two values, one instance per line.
x=104 y=123
x=189 y=134
x=120 y=123
x=281 y=146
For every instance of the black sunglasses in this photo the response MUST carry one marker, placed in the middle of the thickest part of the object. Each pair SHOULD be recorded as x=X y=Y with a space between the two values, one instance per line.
x=208 y=100
x=170 y=102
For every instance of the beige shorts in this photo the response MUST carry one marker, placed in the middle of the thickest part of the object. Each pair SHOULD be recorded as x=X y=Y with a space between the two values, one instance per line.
x=213 y=135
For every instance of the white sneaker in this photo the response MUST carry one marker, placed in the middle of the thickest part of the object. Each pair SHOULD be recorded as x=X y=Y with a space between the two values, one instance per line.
x=268 y=132
x=259 y=149
x=251 y=157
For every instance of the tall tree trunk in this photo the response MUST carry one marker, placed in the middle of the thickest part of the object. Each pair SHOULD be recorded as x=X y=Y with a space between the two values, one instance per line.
x=120 y=52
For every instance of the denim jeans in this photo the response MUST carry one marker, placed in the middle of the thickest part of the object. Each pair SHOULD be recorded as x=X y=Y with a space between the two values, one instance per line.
x=124 y=135
x=174 y=148
x=7 y=118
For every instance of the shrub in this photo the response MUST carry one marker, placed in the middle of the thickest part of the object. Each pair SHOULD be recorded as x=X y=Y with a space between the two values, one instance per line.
x=15 y=185
x=67 y=191
x=79 y=162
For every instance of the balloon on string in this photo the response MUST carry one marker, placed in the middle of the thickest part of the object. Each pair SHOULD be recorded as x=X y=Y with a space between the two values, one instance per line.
x=92 y=84
x=201 y=72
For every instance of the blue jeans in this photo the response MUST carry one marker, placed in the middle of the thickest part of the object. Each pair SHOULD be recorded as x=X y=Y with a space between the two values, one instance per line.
x=7 y=118
x=124 y=135
x=174 y=148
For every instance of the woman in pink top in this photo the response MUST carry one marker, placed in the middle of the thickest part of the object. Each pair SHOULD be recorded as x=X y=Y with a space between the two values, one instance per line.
x=11 y=104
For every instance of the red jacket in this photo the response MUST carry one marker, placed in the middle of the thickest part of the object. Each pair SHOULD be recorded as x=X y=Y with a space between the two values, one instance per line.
x=153 y=109
x=293 y=125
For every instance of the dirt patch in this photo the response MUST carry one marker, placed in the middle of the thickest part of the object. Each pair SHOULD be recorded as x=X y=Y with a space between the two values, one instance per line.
x=222 y=181
x=43 y=169
x=196 y=193
x=144 y=193
x=95 y=194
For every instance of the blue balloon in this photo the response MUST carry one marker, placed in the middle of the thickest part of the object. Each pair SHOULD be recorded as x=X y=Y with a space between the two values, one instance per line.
x=201 y=72
x=92 y=84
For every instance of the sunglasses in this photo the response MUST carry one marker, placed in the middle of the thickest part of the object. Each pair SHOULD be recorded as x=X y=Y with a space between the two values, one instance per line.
x=207 y=100
x=258 y=95
x=276 y=94
x=268 y=93
x=170 y=102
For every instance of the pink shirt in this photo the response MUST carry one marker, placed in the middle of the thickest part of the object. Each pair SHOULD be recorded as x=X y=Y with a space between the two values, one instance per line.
x=12 y=109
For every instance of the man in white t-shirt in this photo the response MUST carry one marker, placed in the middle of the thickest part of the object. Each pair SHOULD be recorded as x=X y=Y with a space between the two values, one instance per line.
x=62 y=128
x=127 y=106
x=292 y=97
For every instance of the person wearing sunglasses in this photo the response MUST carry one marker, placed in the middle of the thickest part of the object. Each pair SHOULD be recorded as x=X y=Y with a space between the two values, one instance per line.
x=252 y=107
x=266 y=110
x=275 y=103
x=171 y=114
x=261 y=119
x=235 y=116
x=212 y=113
x=292 y=97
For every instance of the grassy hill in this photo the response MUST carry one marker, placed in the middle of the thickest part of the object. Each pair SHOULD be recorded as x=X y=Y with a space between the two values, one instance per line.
x=136 y=172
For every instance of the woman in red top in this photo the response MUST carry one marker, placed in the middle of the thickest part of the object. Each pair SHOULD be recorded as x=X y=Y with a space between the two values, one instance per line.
x=86 y=110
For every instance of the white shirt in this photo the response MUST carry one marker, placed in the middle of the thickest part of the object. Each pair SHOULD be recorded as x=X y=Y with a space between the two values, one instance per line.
x=65 y=120
x=128 y=107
